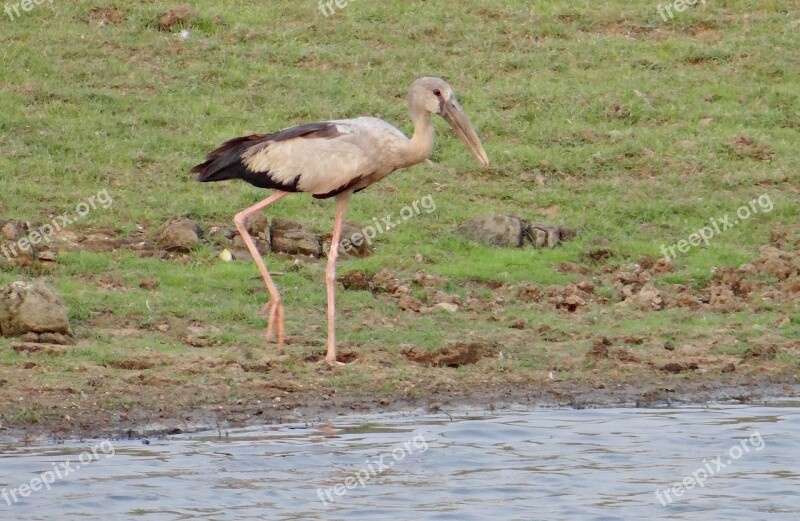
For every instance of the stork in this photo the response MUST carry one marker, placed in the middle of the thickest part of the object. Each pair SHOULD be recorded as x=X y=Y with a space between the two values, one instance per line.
x=332 y=159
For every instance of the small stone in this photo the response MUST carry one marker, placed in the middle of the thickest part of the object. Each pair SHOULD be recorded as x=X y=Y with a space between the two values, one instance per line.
x=225 y=255
x=540 y=235
x=289 y=237
x=448 y=306
x=30 y=336
x=355 y=241
x=222 y=233
x=179 y=236
x=12 y=230
x=55 y=338
x=201 y=336
x=47 y=256
x=257 y=225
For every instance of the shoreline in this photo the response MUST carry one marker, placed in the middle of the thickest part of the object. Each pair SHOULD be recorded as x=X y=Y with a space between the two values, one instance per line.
x=165 y=421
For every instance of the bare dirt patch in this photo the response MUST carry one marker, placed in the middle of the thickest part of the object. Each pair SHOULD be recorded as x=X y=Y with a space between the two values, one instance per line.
x=130 y=365
x=178 y=15
x=451 y=356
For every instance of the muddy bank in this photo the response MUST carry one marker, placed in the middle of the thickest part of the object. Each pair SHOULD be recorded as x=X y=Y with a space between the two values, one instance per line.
x=166 y=418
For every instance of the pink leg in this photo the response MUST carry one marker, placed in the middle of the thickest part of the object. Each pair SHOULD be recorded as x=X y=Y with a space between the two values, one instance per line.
x=330 y=276
x=274 y=306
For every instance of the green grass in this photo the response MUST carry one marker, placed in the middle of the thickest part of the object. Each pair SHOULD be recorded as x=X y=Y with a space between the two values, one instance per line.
x=629 y=120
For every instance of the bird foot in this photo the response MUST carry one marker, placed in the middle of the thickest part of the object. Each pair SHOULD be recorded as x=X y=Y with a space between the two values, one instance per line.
x=334 y=363
x=274 y=310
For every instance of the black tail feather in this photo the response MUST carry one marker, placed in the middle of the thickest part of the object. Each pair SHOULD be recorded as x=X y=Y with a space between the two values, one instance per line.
x=225 y=162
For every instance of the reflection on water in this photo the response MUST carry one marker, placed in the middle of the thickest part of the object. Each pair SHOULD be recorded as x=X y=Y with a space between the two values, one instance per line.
x=534 y=464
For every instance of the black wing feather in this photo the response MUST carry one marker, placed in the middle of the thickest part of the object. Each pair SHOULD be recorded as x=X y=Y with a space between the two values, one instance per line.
x=226 y=161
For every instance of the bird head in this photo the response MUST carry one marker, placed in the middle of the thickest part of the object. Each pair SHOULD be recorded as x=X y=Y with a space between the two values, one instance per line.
x=436 y=96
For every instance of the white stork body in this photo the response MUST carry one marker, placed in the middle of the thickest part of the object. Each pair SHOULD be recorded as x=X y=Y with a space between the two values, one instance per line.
x=365 y=149
x=333 y=158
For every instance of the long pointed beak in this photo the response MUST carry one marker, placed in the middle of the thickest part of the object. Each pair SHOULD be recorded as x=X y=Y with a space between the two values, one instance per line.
x=454 y=114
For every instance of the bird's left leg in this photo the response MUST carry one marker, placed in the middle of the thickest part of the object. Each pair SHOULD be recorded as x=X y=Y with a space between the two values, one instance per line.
x=274 y=306
x=342 y=201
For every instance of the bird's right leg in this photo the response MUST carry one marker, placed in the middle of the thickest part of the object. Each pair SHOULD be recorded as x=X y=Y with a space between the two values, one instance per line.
x=274 y=307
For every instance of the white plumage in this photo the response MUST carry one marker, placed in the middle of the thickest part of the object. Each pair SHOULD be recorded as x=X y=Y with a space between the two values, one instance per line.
x=361 y=147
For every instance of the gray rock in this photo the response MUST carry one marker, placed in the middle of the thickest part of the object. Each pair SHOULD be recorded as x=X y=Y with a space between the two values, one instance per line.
x=289 y=237
x=30 y=336
x=284 y=224
x=13 y=230
x=511 y=231
x=201 y=336
x=448 y=306
x=258 y=226
x=56 y=338
x=179 y=236
x=27 y=307
x=222 y=233
x=352 y=242
x=494 y=230
x=238 y=244
x=540 y=235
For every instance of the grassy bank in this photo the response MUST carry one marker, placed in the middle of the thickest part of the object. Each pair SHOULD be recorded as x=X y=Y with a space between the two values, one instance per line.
x=633 y=130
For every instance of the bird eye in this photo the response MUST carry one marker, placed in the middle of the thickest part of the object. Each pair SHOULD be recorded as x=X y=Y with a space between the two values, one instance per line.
x=437 y=92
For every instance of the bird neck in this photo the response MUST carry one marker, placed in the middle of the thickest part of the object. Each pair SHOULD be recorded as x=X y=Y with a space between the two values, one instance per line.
x=421 y=143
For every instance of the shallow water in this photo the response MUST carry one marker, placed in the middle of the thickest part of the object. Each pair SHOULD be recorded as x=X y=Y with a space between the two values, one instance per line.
x=527 y=464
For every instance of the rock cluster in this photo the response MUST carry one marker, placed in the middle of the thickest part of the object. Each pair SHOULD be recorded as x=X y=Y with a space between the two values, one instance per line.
x=511 y=231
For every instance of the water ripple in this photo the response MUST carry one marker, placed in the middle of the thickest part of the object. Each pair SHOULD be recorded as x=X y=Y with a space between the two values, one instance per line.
x=553 y=464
